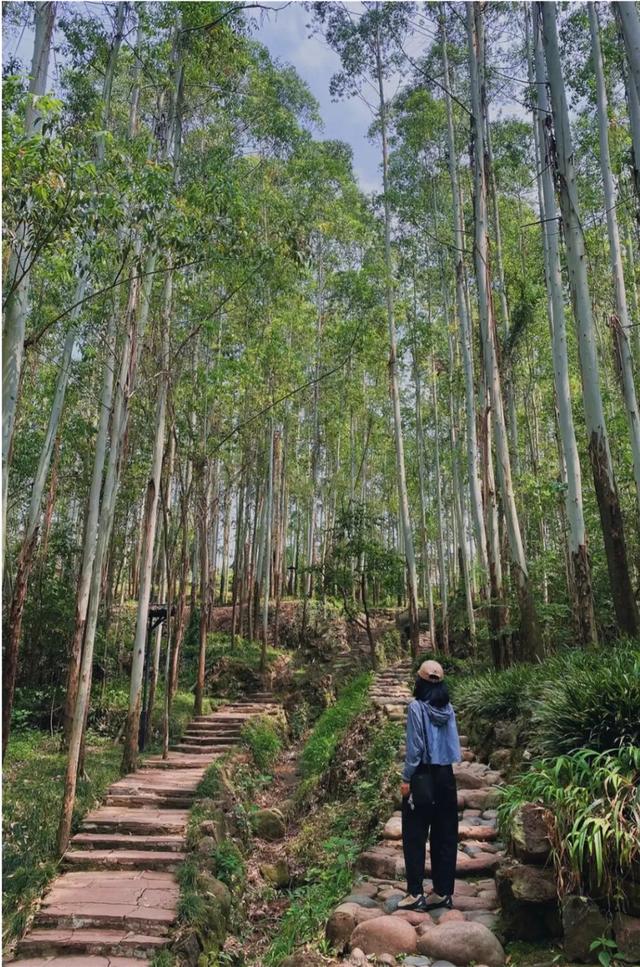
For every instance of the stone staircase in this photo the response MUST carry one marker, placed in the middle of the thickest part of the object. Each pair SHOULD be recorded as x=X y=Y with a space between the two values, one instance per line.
x=368 y=921
x=117 y=899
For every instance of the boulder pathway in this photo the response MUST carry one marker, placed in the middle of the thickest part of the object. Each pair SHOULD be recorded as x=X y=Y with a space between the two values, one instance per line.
x=368 y=921
x=117 y=899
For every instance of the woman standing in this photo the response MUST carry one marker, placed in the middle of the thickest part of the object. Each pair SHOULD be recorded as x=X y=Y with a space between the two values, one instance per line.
x=429 y=795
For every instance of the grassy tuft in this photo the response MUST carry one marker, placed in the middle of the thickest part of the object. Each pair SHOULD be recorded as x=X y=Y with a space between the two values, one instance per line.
x=263 y=738
x=332 y=725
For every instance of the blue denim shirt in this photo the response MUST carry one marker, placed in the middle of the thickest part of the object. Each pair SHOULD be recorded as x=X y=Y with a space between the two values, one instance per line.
x=442 y=742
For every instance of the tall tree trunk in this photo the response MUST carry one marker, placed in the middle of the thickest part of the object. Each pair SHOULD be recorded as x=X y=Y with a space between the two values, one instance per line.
x=475 y=491
x=529 y=632
x=394 y=381
x=579 y=559
x=442 y=566
x=599 y=452
x=268 y=517
x=427 y=597
x=18 y=276
x=620 y=323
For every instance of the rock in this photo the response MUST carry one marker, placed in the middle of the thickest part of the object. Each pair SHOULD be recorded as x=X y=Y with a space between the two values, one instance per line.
x=207 y=845
x=391 y=902
x=462 y=943
x=208 y=884
x=303 y=958
x=268 y=824
x=386 y=959
x=413 y=917
x=479 y=798
x=626 y=931
x=500 y=759
x=468 y=755
x=530 y=833
x=364 y=889
x=442 y=963
x=380 y=862
x=485 y=917
x=507 y=734
x=465 y=779
x=582 y=923
x=473 y=903
x=385 y=935
x=277 y=874
x=416 y=961
x=358 y=958
x=528 y=902
x=363 y=901
x=344 y=920
x=450 y=916
x=393 y=828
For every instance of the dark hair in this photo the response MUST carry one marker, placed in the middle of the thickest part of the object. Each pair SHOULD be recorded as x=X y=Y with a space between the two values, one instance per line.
x=435 y=693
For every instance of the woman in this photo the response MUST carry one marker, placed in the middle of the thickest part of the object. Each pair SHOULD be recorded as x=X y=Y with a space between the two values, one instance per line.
x=432 y=747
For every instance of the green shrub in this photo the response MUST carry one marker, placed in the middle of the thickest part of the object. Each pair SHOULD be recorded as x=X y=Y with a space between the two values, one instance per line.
x=229 y=864
x=593 y=801
x=263 y=738
x=498 y=695
x=590 y=700
x=332 y=725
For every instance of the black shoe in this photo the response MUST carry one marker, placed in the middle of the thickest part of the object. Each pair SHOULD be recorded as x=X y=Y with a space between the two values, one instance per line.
x=411 y=902
x=445 y=902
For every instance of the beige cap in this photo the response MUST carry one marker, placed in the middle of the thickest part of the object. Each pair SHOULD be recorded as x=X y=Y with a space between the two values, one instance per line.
x=431 y=669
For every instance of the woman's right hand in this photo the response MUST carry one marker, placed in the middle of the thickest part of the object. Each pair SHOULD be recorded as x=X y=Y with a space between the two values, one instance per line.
x=405 y=789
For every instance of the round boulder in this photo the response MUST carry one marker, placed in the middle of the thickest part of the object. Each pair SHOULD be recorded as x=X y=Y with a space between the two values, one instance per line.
x=462 y=943
x=268 y=824
x=385 y=935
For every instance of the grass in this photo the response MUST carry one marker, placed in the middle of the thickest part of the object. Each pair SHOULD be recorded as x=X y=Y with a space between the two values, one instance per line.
x=338 y=831
x=263 y=738
x=33 y=780
x=332 y=725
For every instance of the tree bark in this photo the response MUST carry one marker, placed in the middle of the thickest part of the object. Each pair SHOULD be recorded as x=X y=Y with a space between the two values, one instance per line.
x=599 y=452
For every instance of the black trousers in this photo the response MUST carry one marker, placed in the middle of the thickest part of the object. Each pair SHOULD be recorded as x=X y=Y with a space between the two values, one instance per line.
x=439 y=823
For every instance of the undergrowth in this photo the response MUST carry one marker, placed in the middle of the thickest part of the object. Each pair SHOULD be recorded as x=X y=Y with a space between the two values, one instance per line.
x=594 y=805
x=263 y=737
x=32 y=794
x=337 y=831
x=332 y=724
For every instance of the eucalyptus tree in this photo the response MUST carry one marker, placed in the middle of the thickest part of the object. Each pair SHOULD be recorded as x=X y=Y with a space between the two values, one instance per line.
x=370 y=49
x=620 y=322
x=580 y=577
x=16 y=309
x=531 y=640
x=611 y=518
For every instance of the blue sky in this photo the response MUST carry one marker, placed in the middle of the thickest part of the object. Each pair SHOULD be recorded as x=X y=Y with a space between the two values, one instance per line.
x=286 y=35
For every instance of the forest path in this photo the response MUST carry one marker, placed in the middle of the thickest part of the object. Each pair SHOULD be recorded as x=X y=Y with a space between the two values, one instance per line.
x=373 y=900
x=118 y=899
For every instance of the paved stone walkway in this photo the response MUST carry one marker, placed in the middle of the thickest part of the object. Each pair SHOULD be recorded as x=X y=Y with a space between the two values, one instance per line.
x=368 y=920
x=117 y=900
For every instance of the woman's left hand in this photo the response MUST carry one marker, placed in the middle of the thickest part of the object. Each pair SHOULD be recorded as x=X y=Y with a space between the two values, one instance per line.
x=404 y=789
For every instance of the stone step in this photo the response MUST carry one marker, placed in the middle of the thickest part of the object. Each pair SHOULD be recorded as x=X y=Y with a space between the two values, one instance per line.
x=112 y=841
x=143 y=901
x=91 y=942
x=83 y=960
x=142 y=800
x=176 y=760
x=222 y=725
x=115 y=819
x=209 y=739
x=208 y=750
x=123 y=859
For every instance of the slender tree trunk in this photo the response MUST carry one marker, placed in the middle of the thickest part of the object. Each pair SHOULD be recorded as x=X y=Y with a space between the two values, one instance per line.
x=442 y=567
x=529 y=632
x=475 y=491
x=599 y=452
x=412 y=584
x=580 y=567
x=620 y=323
x=18 y=277
x=268 y=517
x=204 y=587
x=629 y=20
x=427 y=598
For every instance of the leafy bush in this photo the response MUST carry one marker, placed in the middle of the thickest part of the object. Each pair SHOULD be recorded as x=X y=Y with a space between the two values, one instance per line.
x=263 y=738
x=229 y=864
x=591 y=700
x=332 y=725
x=593 y=800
